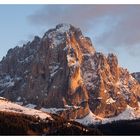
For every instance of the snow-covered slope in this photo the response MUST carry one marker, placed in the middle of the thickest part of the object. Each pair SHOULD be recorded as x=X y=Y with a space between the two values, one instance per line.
x=129 y=114
x=89 y=119
x=8 y=106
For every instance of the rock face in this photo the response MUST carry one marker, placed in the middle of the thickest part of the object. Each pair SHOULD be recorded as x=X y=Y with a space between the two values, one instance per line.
x=111 y=88
x=136 y=75
x=63 y=70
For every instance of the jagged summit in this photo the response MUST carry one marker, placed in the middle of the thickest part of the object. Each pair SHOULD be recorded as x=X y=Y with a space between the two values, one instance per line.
x=63 y=28
x=62 y=34
x=63 y=71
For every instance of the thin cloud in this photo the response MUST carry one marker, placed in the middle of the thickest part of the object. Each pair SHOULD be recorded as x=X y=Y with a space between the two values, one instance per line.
x=78 y=15
x=120 y=25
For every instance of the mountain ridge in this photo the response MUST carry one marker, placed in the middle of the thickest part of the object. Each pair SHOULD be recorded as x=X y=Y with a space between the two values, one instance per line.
x=63 y=70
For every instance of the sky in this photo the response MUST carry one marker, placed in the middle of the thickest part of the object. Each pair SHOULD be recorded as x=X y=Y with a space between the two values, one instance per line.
x=112 y=28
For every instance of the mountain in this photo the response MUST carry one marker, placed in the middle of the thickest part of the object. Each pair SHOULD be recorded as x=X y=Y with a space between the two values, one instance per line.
x=62 y=72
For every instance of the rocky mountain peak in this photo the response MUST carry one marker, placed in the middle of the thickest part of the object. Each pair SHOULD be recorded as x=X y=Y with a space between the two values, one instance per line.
x=62 y=30
x=62 y=70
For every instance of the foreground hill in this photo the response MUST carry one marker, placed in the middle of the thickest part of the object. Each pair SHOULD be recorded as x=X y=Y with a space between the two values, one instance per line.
x=19 y=120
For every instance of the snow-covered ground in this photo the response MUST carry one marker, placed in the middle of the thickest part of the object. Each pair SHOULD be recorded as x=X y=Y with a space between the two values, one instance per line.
x=129 y=114
x=5 y=105
x=56 y=110
x=52 y=110
x=89 y=119
x=110 y=101
x=8 y=106
x=32 y=106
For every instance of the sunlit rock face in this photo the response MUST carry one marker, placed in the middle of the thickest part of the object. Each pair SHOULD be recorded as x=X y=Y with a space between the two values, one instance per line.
x=63 y=70
x=110 y=87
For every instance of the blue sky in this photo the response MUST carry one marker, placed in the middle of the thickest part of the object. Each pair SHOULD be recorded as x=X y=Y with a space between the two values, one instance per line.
x=14 y=26
x=112 y=28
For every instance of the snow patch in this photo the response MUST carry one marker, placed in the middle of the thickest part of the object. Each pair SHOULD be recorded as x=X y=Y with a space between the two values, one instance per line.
x=19 y=103
x=57 y=35
x=129 y=114
x=63 y=28
x=26 y=60
x=99 y=98
x=73 y=107
x=2 y=98
x=69 y=58
x=68 y=106
x=76 y=107
x=132 y=78
x=53 y=69
x=2 y=91
x=31 y=106
x=52 y=110
x=12 y=107
x=52 y=74
x=89 y=119
x=67 y=47
x=19 y=98
x=7 y=82
x=72 y=61
x=110 y=101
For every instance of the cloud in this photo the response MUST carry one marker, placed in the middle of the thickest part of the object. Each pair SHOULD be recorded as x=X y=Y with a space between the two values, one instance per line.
x=111 y=26
x=79 y=15
x=126 y=31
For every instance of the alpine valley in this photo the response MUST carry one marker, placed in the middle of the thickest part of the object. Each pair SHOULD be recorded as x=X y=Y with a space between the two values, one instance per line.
x=60 y=85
